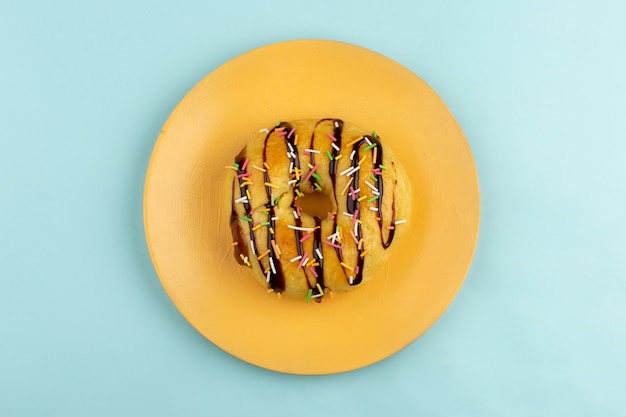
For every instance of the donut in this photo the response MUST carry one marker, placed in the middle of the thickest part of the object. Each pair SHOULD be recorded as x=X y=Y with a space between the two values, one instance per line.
x=301 y=252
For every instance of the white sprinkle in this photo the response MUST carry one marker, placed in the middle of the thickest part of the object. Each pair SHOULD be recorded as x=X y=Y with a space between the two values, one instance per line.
x=289 y=155
x=356 y=228
x=400 y=221
x=291 y=167
x=312 y=150
x=290 y=147
x=292 y=182
x=352 y=171
x=295 y=214
x=272 y=265
x=337 y=148
x=293 y=155
x=243 y=199
x=305 y=261
x=348 y=214
x=351 y=280
x=368 y=140
x=371 y=186
x=268 y=277
x=296 y=258
x=245 y=259
x=319 y=253
x=376 y=192
x=336 y=124
x=333 y=236
x=344 y=171
x=352 y=155
x=374 y=208
x=252 y=245
x=357 y=191
x=264 y=130
x=274 y=218
x=304 y=229
x=316 y=295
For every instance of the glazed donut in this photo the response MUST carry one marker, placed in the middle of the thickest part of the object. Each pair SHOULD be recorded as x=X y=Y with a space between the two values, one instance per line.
x=296 y=253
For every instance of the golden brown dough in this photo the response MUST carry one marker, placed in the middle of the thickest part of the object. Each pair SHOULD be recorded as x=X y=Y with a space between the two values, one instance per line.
x=293 y=252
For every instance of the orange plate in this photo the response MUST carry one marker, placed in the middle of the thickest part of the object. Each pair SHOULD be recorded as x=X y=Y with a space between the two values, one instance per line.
x=186 y=207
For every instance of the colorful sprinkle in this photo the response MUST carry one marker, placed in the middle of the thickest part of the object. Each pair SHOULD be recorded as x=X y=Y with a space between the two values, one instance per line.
x=369 y=200
x=269 y=184
x=304 y=229
x=367 y=148
x=313 y=272
x=308 y=295
x=334 y=245
x=245 y=164
x=248 y=219
x=264 y=254
x=330 y=157
x=345 y=265
x=334 y=139
x=400 y=221
x=259 y=168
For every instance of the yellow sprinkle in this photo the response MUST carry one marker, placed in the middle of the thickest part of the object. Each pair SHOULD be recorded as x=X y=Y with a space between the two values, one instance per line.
x=360 y=245
x=264 y=254
x=361 y=198
x=364 y=252
x=310 y=166
x=362 y=159
x=319 y=287
x=231 y=167
x=259 y=168
x=265 y=165
x=269 y=184
x=354 y=141
x=255 y=228
x=271 y=230
x=271 y=290
x=279 y=295
x=345 y=188
x=346 y=266
x=248 y=194
x=338 y=157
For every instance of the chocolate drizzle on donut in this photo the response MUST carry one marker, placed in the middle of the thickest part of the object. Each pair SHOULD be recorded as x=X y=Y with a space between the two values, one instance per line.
x=273 y=268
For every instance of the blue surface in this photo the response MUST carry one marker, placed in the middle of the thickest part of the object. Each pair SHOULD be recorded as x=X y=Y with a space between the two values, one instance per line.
x=539 y=325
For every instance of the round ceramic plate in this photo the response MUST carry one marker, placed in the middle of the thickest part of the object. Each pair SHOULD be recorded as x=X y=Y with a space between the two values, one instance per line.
x=186 y=207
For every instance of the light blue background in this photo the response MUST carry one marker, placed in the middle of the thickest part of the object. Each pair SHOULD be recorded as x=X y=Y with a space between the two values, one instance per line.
x=538 y=327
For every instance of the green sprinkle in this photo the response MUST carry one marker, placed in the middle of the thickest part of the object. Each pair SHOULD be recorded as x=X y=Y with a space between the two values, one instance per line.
x=374 y=177
x=278 y=123
x=374 y=134
x=235 y=164
x=367 y=148
x=248 y=219
x=316 y=185
x=337 y=229
x=329 y=155
x=317 y=177
x=369 y=200
x=382 y=166
x=275 y=202
x=265 y=224
x=298 y=193
x=308 y=295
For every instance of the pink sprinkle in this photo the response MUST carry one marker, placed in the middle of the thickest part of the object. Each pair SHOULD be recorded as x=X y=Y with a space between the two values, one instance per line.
x=293 y=129
x=311 y=172
x=356 y=270
x=256 y=224
x=313 y=271
x=247 y=174
x=245 y=164
x=308 y=235
x=390 y=227
x=334 y=245
x=354 y=217
x=307 y=153
x=303 y=259
x=334 y=139
x=377 y=171
x=281 y=133
x=298 y=211
x=352 y=192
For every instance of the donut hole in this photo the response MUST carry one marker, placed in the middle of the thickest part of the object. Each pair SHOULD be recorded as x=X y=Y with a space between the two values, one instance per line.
x=315 y=204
